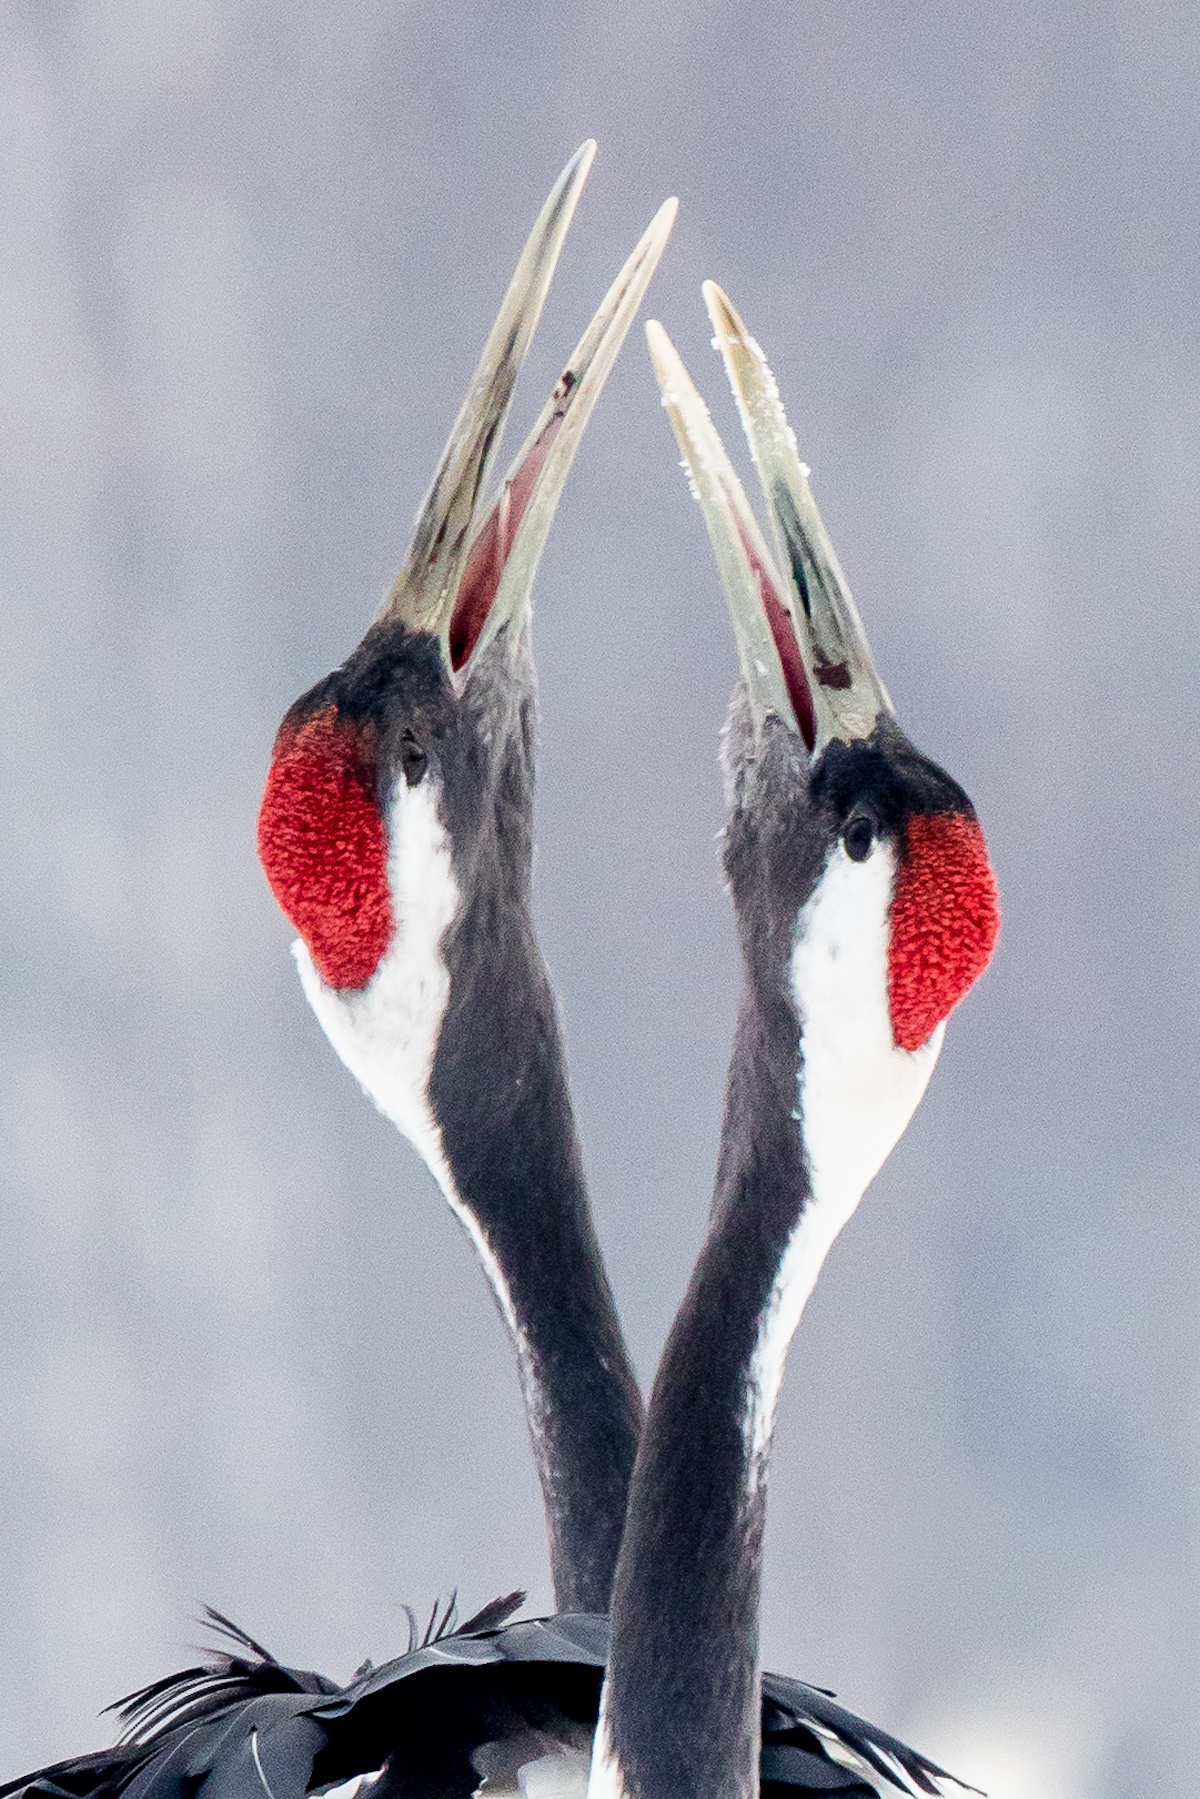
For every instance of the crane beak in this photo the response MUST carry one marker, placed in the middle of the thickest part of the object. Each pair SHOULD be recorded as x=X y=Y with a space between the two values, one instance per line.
x=471 y=567
x=804 y=654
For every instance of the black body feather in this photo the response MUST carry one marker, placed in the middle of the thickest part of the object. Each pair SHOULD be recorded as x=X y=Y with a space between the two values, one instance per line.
x=244 y=1726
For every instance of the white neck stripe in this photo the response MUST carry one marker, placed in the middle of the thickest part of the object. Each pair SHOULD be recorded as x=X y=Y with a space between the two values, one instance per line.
x=856 y=1090
x=387 y=1032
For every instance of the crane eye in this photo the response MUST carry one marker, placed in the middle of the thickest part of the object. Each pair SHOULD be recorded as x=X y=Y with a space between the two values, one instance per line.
x=858 y=838
x=413 y=759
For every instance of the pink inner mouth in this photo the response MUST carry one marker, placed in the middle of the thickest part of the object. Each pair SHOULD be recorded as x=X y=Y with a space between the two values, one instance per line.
x=492 y=547
x=784 y=636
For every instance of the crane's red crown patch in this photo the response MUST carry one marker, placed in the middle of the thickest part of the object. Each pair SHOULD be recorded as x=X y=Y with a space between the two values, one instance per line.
x=323 y=847
x=944 y=924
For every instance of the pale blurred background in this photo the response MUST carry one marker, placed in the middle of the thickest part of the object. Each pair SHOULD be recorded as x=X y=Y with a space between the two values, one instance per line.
x=248 y=252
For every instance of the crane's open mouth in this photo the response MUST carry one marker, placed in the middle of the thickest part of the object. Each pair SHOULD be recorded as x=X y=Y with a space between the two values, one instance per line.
x=492 y=546
x=803 y=651
x=471 y=566
x=787 y=647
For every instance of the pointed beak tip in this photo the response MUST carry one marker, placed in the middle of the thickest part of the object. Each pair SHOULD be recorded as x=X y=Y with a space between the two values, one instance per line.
x=567 y=188
x=658 y=231
x=726 y=324
x=663 y=355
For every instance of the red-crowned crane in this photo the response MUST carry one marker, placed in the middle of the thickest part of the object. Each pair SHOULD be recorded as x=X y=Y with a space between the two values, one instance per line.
x=866 y=907
x=396 y=831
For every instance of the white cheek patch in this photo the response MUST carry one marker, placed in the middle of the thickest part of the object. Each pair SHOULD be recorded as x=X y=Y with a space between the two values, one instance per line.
x=857 y=1089
x=387 y=1032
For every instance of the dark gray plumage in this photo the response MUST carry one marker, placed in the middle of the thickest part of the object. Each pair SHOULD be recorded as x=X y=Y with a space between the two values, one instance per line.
x=827 y=805
x=439 y=698
x=244 y=1726
x=686 y=1597
x=497 y=1089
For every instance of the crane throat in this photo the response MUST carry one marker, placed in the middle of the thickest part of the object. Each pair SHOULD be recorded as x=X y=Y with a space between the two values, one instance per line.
x=387 y=1031
x=856 y=1091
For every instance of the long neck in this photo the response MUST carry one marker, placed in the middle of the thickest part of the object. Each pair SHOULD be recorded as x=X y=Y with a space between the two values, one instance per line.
x=809 y=1120
x=498 y=1091
x=681 y=1701
x=456 y=1039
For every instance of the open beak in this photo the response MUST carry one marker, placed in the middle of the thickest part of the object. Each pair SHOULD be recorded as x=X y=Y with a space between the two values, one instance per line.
x=803 y=652
x=472 y=563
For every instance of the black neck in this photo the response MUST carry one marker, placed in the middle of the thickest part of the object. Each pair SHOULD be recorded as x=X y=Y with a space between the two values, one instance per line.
x=682 y=1692
x=499 y=1092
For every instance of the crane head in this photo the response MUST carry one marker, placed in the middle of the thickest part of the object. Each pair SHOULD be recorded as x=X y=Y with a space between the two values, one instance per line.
x=857 y=866
x=394 y=777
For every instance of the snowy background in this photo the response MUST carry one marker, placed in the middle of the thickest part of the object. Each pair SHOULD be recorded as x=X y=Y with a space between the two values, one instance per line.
x=249 y=250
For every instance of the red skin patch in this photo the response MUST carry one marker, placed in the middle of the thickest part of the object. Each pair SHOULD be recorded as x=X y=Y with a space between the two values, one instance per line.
x=945 y=920
x=323 y=847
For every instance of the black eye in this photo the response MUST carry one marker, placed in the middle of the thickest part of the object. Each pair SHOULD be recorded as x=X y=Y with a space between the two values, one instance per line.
x=858 y=837
x=413 y=759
